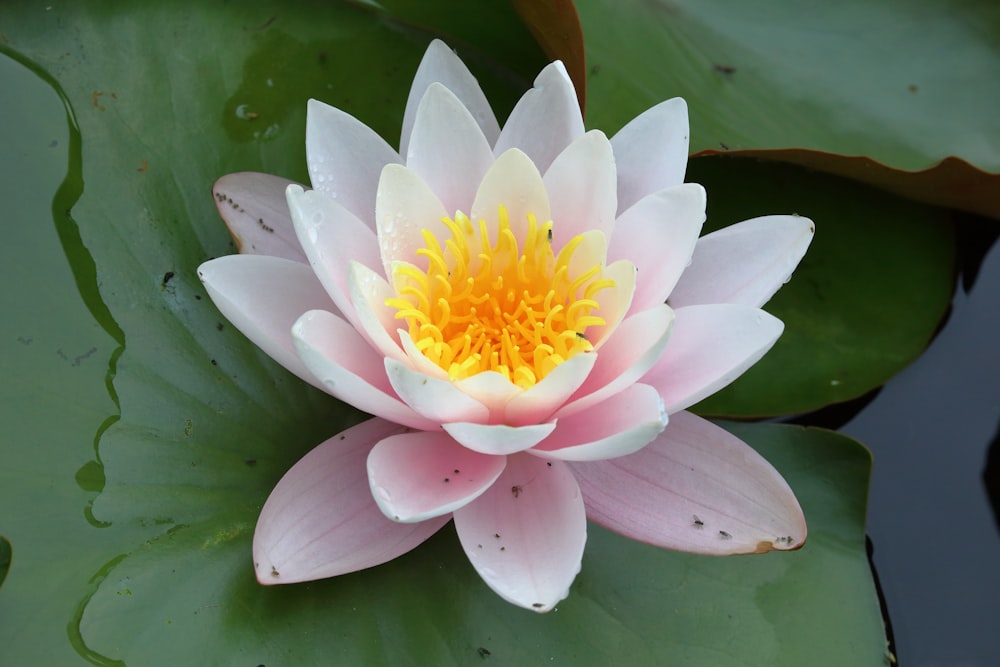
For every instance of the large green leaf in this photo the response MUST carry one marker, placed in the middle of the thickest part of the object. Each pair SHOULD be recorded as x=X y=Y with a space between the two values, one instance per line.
x=143 y=432
x=906 y=83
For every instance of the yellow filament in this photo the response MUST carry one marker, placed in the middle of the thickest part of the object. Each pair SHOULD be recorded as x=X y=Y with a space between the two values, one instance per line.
x=481 y=306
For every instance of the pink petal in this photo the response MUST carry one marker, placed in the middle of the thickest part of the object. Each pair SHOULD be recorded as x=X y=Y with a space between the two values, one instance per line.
x=709 y=348
x=492 y=390
x=253 y=207
x=582 y=188
x=658 y=235
x=744 y=263
x=447 y=148
x=345 y=158
x=545 y=120
x=696 y=488
x=537 y=404
x=435 y=399
x=514 y=183
x=404 y=207
x=321 y=520
x=419 y=476
x=263 y=296
x=621 y=425
x=441 y=65
x=349 y=368
x=525 y=535
x=624 y=358
x=651 y=151
x=498 y=439
x=332 y=238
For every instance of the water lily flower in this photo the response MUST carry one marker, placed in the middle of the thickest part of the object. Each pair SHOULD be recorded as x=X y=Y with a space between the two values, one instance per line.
x=527 y=311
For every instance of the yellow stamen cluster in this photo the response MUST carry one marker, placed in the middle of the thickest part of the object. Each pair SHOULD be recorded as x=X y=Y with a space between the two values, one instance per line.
x=484 y=307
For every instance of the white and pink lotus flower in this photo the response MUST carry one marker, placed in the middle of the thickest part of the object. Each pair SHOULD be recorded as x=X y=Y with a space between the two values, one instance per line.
x=526 y=311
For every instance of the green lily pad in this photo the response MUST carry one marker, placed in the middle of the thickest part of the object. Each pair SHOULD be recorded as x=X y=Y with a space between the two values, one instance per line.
x=144 y=432
x=865 y=301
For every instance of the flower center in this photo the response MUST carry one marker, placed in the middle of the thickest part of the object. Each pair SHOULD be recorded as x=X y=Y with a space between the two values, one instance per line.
x=484 y=307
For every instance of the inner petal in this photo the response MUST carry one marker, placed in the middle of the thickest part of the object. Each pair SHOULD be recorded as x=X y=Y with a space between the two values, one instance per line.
x=486 y=300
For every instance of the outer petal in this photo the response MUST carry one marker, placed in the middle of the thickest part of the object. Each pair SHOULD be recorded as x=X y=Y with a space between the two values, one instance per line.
x=419 y=476
x=545 y=120
x=624 y=358
x=514 y=183
x=658 y=235
x=262 y=297
x=651 y=151
x=744 y=263
x=582 y=188
x=349 y=368
x=623 y=424
x=498 y=439
x=435 y=399
x=404 y=207
x=441 y=65
x=345 y=158
x=710 y=347
x=253 y=207
x=696 y=488
x=447 y=148
x=332 y=238
x=525 y=535
x=321 y=520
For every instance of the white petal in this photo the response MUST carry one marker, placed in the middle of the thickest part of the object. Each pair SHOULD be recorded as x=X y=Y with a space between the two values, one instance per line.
x=582 y=187
x=514 y=183
x=709 y=348
x=345 y=158
x=658 y=235
x=406 y=206
x=435 y=399
x=525 y=535
x=419 y=476
x=621 y=425
x=253 y=207
x=321 y=520
x=651 y=151
x=349 y=368
x=376 y=321
x=537 y=403
x=696 y=488
x=263 y=296
x=441 y=65
x=545 y=120
x=498 y=439
x=744 y=263
x=447 y=148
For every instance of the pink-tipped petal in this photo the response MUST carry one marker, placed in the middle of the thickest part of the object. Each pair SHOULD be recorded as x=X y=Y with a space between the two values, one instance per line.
x=709 y=348
x=537 y=404
x=696 y=488
x=514 y=183
x=253 y=207
x=651 y=151
x=441 y=65
x=262 y=297
x=404 y=207
x=375 y=321
x=419 y=476
x=447 y=148
x=435 y=399
x=624 y=358
x=498 y=439
x=621 y=425
x=345 y=158
x=582 y=188
x=658 y=235
x=545 y=120
x=525 y=535
x=349 y=369
x=332 y=238
x=321 y=520
x=744 y=263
